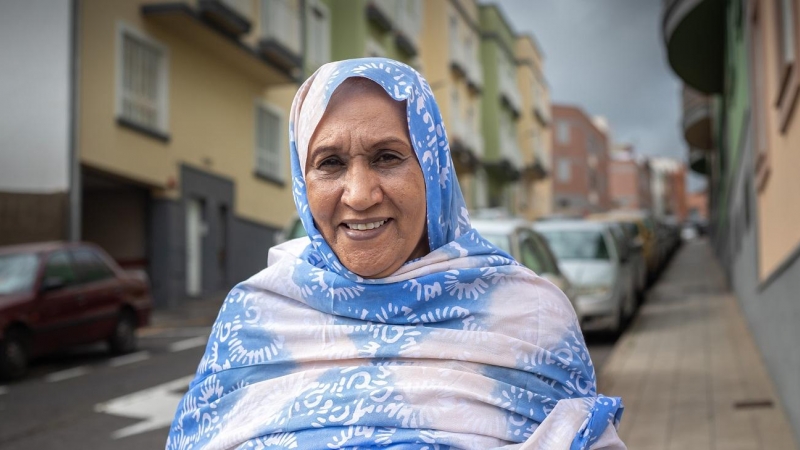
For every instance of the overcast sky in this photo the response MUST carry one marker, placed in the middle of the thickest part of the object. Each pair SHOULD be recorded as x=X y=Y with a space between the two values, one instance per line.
x=608 y=57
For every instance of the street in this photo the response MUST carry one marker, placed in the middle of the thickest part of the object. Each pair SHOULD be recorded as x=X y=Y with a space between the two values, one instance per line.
x=74 y=400
x=86 y=399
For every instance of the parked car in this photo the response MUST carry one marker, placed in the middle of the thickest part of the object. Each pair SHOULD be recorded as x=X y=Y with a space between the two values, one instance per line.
x=598 y=266
x=628 y=234
x=646 y=232
x=517 y=238
x=55 y=295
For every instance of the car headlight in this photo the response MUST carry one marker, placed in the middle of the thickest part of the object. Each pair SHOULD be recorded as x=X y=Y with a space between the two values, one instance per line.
x=593 y=290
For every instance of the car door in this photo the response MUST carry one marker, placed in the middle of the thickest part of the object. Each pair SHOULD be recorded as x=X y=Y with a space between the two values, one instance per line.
x=56 y=314
x=102 y=292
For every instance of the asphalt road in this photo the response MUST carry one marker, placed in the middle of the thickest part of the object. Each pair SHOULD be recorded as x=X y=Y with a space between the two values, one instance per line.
x=85 y=399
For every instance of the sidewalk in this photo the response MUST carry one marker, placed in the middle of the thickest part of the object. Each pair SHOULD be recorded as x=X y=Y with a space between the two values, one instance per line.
x=192 y=313
x=688 y=370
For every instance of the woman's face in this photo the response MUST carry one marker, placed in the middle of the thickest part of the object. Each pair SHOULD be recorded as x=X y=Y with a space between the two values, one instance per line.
x=365 y=187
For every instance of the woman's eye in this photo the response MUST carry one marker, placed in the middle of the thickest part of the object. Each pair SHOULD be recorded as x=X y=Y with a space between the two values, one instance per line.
x=330 y=163
x=387 y=158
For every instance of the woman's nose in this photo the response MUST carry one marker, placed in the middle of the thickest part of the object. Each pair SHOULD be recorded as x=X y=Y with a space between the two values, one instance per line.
x=362 y=188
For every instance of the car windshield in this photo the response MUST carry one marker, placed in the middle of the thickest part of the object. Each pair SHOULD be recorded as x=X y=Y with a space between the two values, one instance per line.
x=500 y=241
x=577 y=244
x=17 y=273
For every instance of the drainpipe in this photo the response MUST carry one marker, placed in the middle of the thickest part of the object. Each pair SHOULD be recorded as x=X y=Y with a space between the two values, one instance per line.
x=74 y=214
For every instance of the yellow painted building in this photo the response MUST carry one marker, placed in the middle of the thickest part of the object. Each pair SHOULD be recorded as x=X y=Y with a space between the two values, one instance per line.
x=183 y=135
x=451 y=64
x=535 y=195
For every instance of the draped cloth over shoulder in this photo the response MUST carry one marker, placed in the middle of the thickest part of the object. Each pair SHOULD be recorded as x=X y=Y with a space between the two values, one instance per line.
x=462 y=348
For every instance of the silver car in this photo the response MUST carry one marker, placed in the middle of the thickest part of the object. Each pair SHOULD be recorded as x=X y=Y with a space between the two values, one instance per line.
x=517 y=238
x=598 y=266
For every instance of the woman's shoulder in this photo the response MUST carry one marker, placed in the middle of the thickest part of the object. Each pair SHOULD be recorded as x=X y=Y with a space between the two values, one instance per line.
x=289 y=249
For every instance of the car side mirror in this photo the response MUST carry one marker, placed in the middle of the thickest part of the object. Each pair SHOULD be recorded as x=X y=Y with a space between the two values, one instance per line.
x=53 y=283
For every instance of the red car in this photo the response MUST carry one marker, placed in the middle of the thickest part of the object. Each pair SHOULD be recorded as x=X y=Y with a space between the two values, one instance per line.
x=54 y=295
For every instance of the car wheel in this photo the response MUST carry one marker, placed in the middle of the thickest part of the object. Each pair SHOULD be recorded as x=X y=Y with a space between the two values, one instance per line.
x=13 y=356
x=123 y=340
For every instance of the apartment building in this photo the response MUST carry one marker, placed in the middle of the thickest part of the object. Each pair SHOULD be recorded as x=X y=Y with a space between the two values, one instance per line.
x=738 y=59
x=500 y=108
x=387 y=28
x=450 y=59
x=580 y=163
x=623 y=178
x=178 y=161
x=535 y=188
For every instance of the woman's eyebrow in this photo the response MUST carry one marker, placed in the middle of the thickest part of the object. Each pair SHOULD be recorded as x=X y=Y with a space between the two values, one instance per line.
x=323 y=149
x=390 y=140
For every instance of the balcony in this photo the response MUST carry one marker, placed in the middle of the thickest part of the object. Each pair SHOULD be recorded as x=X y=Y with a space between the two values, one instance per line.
x=280 y=40
x=699 y=161
x=380 y=12
x=466 y=145
x=697 y=119
x=230 y=16
x=694 y=33
x=188 y=23
x=465 y=60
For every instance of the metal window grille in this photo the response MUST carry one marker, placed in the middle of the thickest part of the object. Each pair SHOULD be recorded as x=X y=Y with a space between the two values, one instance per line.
x=142 y=83
x=268 y=141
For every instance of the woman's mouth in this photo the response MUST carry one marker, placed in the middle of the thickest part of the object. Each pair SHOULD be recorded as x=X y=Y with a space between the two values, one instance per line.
x=365 y=226
x=365 y=230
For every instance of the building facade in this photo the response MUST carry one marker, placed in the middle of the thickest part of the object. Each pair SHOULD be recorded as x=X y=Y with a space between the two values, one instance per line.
x=171 y=133
x=535 y=188
x=623 y=179
x=388 y=28
x=739 y=60
x=450 y=60
x=580 y=163
x=500 y=109
x=35 y=121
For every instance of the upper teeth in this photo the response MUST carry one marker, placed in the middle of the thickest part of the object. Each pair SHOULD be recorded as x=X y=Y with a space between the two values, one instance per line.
x=365 y=226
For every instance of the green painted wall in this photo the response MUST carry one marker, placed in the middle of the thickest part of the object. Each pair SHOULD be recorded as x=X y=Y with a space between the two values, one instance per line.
x=351 y=28
x=348 y=29
x=732 y=106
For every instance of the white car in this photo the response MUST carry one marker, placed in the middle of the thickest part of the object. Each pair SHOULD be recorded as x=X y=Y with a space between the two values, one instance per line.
x=517 y=238
x=598 y=266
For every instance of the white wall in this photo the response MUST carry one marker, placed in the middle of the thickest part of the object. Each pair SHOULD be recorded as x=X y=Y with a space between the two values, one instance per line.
x=34 y=95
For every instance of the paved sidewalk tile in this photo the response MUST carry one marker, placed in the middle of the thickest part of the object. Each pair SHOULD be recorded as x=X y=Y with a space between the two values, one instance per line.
x=688 y=370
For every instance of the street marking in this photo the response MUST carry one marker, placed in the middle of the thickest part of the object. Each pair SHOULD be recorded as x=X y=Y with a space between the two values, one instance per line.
x=55 y=377
x=128 y=359
x=186 y=344
x=3 y=390
x=155 y=406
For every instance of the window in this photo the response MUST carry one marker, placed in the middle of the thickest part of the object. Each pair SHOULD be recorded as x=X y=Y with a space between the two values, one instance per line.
x=564 y=170
x=269 y=157
x=759 y=100
x=142 y=65
x=318 y=34
x=18 y=272
x=562 y=132
x=788 y=70
x=59 y=267
x=90 y=267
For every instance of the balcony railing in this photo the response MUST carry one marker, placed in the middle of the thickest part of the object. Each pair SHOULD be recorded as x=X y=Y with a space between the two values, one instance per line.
x=280 y=22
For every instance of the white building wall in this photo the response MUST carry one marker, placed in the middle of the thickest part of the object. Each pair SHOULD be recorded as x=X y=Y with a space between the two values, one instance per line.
x=34 y=88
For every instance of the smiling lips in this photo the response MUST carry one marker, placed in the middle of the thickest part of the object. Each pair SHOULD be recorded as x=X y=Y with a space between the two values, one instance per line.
x=365 y=226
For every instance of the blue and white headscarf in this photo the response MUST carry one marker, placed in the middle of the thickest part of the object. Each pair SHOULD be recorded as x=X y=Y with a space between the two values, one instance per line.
x=462 y=348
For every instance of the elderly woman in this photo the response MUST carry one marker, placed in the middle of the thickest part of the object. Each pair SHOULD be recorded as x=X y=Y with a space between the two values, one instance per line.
x=396 y=325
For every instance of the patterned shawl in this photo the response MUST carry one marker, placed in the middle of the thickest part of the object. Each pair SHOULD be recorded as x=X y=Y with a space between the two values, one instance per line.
x=462 y=348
